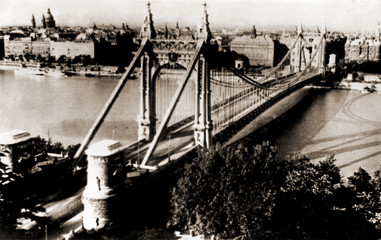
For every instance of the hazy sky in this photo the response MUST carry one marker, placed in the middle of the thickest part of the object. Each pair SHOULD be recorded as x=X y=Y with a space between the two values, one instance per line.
x=358 y=15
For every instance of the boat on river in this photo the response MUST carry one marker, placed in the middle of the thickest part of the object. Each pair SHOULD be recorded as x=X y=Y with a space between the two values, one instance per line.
x=23 y=70
x=30 y=71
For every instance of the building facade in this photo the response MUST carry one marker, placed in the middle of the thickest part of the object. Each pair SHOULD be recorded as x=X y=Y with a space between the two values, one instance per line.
x=18 y=46
x=2 y=47
x=72 y=48
x=362 y=50
x=41 y=47
x=259 y=49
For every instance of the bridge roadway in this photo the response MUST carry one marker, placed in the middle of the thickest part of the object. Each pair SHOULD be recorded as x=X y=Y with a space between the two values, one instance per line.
x=180 y=140
x=174 y=144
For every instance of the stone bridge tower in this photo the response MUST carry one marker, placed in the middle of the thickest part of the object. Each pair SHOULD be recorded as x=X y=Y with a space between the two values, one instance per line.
x=100 y=197
x=161 y=52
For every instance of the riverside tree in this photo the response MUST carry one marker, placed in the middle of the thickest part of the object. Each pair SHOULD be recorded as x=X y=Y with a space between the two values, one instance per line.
x=252 y=193
x=10 y=202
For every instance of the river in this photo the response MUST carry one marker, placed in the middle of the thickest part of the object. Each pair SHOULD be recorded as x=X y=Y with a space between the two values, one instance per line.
x=346 y=124
x=64 y=108
x=340 y=122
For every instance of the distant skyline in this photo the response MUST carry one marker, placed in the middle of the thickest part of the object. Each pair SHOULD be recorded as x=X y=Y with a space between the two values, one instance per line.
x=344 y=15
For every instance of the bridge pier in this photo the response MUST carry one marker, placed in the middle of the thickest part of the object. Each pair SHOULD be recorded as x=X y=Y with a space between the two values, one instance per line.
x=203 y=122
x=100 y=195
x=146 y=119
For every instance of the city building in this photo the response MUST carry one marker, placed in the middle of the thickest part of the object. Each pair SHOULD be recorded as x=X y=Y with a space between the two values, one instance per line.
x=363 y=49
x=49 y=20
x=2 y=54
x=259 y=49
x=72 y=48
x=14 y=144
x=106 y=44
x=41 y=47
x=181 y=34
x=17 y=46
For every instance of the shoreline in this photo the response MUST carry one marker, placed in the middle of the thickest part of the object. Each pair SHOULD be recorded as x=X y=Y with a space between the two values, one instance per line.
x=364 y=87
x=8 y=65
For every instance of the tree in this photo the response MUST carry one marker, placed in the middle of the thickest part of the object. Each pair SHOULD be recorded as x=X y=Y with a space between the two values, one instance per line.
x=121 y=69
x=228 y=192
x=72 y=149
x=250 y=192
x=305 y=200
x=51 y=59
x=62 y=59
x=41 y=145
x=366 y=195
x=10 y=203
x=39 y=58
x=86 y=60
x=77 y=59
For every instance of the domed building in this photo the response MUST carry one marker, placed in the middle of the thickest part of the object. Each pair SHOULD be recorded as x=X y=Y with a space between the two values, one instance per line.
x=49 y=20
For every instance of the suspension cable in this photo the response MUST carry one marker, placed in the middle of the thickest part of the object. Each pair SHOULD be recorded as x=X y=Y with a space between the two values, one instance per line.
x=309 y=63
x=283 y=60
x=107 y=107
x=173 y=103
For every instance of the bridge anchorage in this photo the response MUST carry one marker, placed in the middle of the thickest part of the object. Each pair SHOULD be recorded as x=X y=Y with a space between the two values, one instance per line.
x=186 y=100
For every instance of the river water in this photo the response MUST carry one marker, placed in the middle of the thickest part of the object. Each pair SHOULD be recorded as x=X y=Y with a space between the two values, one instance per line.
x=346 y=124
x=64 y=108
x=340 y=122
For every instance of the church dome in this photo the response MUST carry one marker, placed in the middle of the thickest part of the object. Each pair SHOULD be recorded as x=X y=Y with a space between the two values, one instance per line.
x=50 y=16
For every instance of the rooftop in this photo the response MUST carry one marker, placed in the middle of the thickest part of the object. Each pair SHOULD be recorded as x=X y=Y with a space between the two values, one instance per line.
x=14 y=137
x=247 y=39
x=104 y=148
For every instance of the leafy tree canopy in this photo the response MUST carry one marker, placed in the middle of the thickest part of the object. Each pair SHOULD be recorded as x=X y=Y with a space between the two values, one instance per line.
x=251 y=192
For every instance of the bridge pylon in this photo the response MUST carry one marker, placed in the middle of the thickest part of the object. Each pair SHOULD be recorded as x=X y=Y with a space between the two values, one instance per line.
x=299 y=49
x=203 y=117
x=203 y=123
x=322 y=55
x=146 y=119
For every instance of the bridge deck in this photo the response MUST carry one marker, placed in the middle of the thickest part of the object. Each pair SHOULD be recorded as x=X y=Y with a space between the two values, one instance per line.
x=180 y=140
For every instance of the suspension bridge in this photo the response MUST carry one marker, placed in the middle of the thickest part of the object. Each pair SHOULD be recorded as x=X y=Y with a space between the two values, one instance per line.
x=187 y=100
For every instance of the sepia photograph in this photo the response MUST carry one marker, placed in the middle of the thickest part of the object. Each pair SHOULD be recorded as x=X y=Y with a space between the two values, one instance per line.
x=190 y=119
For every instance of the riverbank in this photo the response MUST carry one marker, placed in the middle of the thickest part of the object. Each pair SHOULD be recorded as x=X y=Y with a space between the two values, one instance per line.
x=87 y=71
x=364 y=87
x=4 y=64
x=363 y=82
